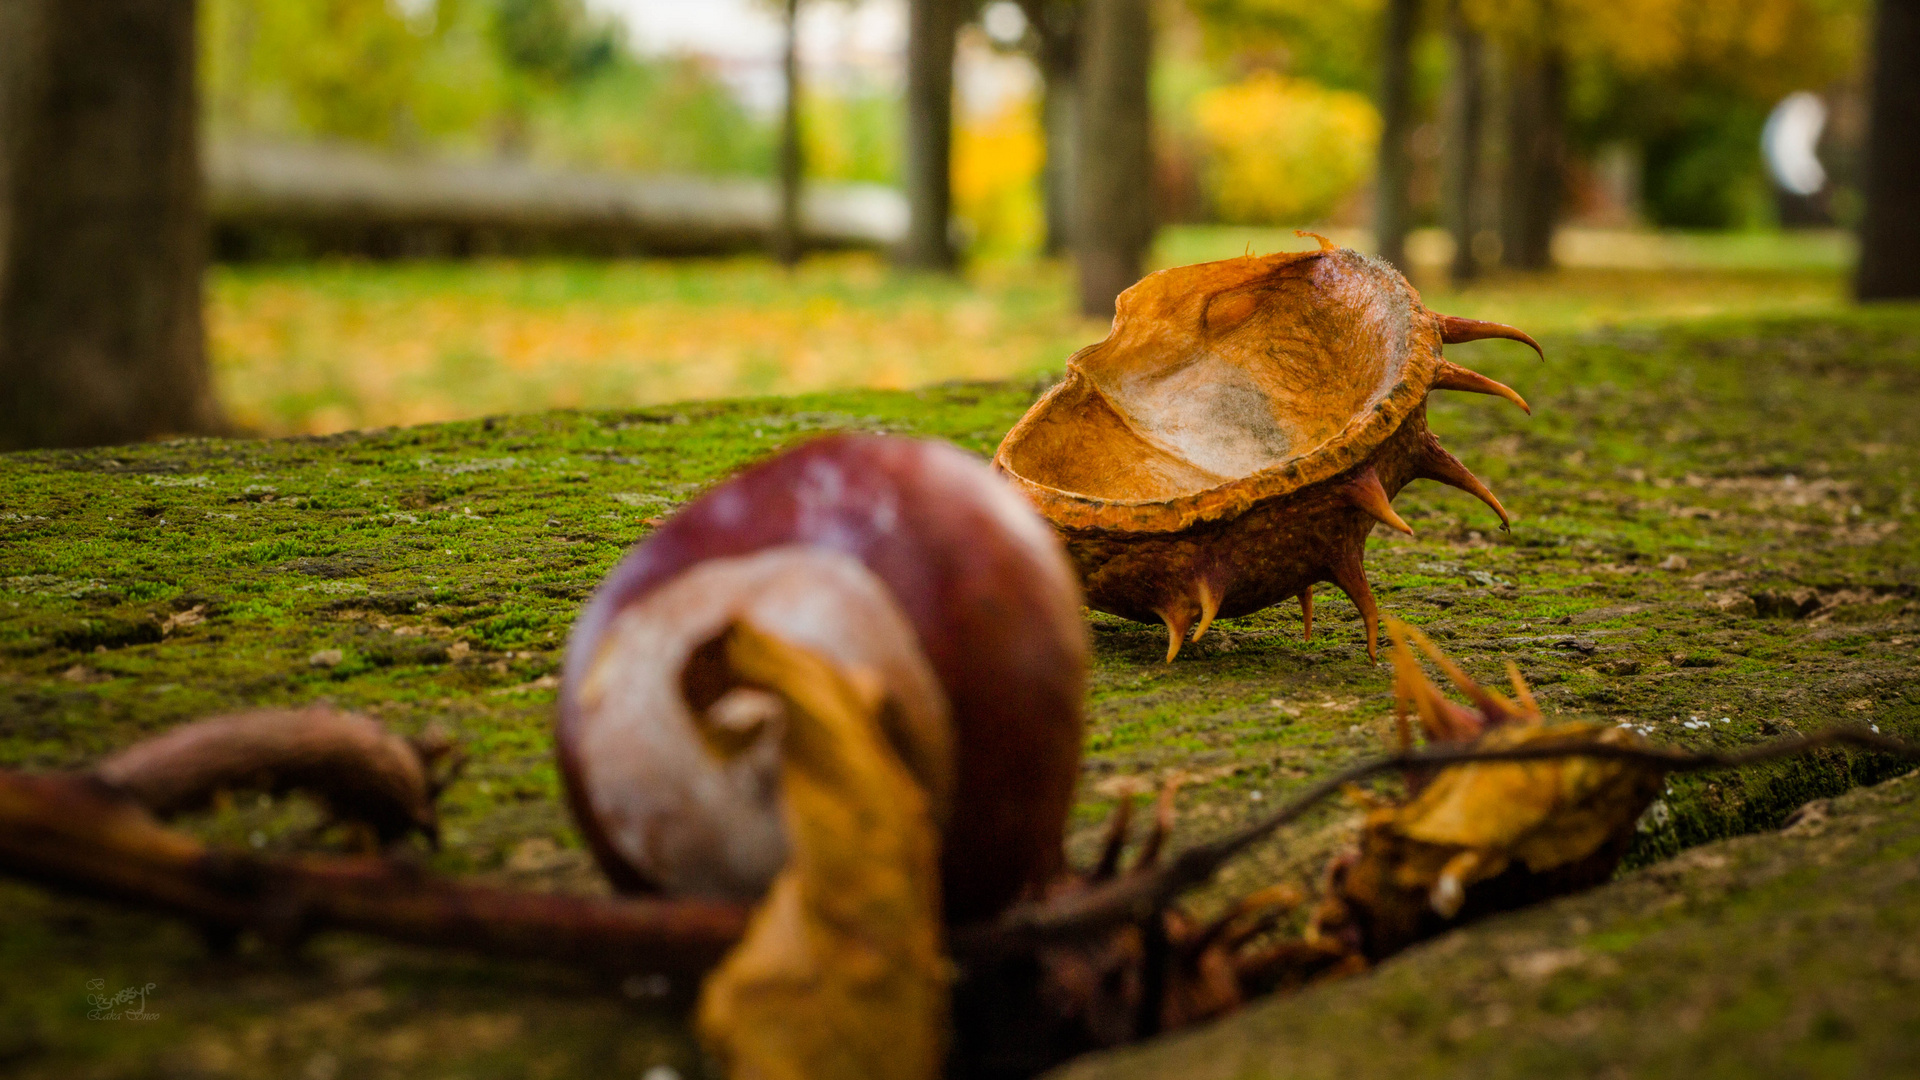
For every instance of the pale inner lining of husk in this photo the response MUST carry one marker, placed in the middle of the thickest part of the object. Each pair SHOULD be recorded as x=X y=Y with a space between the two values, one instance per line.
x=1162 y=409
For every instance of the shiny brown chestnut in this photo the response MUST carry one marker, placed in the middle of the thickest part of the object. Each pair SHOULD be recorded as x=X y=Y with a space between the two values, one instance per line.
x=990 y=599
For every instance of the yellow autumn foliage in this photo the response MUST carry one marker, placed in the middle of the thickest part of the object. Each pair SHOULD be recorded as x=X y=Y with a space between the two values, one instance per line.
x=996 y=178
x=1767 y=47
x=1284 y=151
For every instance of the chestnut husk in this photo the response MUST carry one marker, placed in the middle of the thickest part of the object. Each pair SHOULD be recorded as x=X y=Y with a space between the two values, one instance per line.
x=987 y=590
x=1240 y=432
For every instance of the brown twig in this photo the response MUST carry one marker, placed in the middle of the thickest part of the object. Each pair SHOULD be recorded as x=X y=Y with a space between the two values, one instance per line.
x=1135 y=898
x=78 y=834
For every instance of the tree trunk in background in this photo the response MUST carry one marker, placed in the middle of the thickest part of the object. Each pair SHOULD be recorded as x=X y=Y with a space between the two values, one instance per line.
x=1531 y=191
x=1466 y=121
x=102 y=236
x=1113 y=224
x=1890 y=231
x=1056 y=51
x=786 y=231
x=932 y=29
x=1061 y=119
x=1395 y=167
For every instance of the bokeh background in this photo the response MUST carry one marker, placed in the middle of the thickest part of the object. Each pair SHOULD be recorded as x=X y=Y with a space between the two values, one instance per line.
x=372 y=167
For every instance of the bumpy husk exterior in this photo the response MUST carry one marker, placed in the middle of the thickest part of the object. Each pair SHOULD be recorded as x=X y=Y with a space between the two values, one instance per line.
x=1239 y=433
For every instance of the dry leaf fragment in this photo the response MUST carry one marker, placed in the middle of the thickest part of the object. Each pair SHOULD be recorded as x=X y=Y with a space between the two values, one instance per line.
x=1489 y=836
x=841 y=975
x=193 y=616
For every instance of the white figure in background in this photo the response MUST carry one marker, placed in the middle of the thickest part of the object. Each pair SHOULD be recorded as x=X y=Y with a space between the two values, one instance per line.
x=1789 y=142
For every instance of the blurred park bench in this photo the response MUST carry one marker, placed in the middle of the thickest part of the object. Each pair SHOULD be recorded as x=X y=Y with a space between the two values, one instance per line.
x=280 y=200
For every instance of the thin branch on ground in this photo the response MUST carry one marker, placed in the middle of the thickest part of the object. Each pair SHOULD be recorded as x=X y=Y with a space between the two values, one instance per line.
x=1136 y=897
x=75 y=833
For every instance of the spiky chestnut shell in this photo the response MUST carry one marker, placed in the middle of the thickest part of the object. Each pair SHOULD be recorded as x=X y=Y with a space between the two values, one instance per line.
x=987 y=591
x=1238 y=434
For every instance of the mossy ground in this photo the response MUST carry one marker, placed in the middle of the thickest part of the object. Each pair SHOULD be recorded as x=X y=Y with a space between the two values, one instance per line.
x=1681 y=494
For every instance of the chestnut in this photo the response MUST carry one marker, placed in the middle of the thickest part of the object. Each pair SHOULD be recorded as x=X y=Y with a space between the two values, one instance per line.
x=979 y=579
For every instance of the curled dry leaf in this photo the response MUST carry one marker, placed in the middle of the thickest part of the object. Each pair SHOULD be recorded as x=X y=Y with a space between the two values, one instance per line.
x=1122 y=960
x=361 y=770
x=1482 y=837
x=841 y=974
x=1240 y=432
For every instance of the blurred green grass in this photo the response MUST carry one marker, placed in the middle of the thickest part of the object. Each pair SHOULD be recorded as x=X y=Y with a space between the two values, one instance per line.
x=322 y=347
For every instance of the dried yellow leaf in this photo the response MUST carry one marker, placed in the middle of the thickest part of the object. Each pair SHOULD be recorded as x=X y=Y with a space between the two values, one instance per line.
x=1544 y=812
x=841 y=974
x=1488 y=836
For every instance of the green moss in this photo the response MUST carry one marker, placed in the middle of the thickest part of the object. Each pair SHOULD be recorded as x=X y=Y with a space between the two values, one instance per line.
x=143 y=586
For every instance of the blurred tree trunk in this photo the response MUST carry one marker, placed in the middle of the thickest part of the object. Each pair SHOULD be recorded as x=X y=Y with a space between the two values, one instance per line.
x=1061 y=118
x=932 y=29
x=1466 y=136
x=1890 y=231
x=1055 y=26
x=102 y=235
x=1390 y=194
x=786 y=231
x=1113 y=224
x=1531 y=191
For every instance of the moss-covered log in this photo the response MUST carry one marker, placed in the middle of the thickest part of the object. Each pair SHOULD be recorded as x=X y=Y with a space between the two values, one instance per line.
x=1716 y=539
